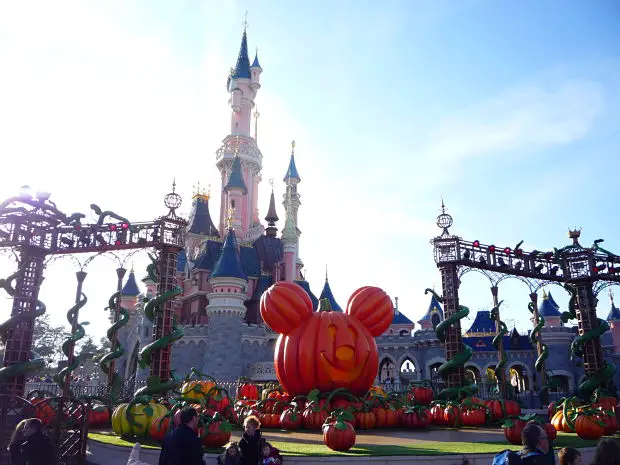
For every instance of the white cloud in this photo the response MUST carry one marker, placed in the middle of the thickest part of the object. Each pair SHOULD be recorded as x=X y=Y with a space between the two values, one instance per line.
x=524 y=119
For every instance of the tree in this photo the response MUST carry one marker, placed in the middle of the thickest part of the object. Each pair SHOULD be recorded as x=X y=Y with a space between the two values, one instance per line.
x=47 y=340
x=87 y=349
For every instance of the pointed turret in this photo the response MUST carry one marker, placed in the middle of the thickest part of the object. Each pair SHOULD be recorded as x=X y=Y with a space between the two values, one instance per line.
x=235 y=180
x=433 y=316
x=326 y=293
x=548 y=307
x=131 y=286
x=229 y=265
x=483 y=325
x=200 y=221
x=272 y=217
x=255 y=63
x=291 y=173
x=614 y=313
x=242 y=70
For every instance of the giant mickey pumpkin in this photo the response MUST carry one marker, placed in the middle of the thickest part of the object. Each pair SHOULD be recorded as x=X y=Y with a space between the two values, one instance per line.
x=325 y=349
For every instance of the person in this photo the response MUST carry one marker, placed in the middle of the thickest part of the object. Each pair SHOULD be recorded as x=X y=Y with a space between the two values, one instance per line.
x=33 y=448
x=569 y=456
x=182 y=446
x=535 y=445
x=607 y=452
x=271 y=455
x=251 y=442
x=231 y=455
x=15 y=444
x=134 y=456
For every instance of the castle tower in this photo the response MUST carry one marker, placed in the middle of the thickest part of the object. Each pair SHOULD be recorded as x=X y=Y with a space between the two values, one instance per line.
x=550 y=311
x=291 y=178
x=401 y=325
x=226 y=312
x=239 y=152
x=290 y=241
x=272 y=216
x=200 y=223
x=326 y=293
x=614 y=324
x=433 y=316
x=130 y=292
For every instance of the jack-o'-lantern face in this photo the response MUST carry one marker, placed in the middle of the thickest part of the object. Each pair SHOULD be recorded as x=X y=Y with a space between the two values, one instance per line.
x=325 y=349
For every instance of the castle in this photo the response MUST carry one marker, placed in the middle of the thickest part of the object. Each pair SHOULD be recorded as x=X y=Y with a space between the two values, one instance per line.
x=225 y=269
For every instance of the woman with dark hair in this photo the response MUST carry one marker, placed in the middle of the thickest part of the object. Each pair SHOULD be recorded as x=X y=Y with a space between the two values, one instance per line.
x=607 y=452
x=569 y=456
x=29 y=445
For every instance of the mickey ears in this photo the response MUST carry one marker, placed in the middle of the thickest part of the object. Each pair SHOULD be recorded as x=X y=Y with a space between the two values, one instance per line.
x=373 y=308
x=285 y=306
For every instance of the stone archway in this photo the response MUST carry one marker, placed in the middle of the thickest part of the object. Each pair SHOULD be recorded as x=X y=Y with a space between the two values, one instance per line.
x=473 y=373
x=519 y=378
x=132 y=363
x=431 y=368
x=387 y=368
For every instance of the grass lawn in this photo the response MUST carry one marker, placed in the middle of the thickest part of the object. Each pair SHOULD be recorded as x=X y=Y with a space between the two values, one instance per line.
x=292 y=448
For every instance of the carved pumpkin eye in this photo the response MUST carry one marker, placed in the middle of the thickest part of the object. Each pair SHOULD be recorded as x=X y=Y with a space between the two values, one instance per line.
x=331 y=332
x=353 y=333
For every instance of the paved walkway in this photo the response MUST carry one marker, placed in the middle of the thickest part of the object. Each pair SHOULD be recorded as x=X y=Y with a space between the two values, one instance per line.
x=389 y=437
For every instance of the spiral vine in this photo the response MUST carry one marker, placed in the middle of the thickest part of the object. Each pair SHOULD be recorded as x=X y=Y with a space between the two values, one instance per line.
x=539 y=364
x=36 y=362
x=154 y=306
x=114 y=380
x=602 y=376
x=499 y=337
x=80 y=332
x=458 y=360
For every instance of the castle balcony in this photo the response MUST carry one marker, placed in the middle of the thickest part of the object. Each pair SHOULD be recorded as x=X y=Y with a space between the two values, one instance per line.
x=262 y=371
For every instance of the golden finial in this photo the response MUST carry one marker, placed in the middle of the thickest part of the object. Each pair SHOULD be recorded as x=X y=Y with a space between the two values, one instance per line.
x=230 y=218
x=574 y=233
x=199 y=193
x=545 y=296
x=293 y=148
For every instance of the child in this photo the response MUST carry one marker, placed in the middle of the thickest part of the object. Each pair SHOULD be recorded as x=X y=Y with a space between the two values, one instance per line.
x=251 y=441
x=231 y=456
x=271 y=455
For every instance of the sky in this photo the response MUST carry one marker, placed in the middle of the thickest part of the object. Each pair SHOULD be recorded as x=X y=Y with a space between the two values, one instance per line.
x=510 y=111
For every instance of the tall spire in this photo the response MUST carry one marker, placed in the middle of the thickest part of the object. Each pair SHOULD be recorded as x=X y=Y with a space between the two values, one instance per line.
x=242 y=70
x=291 y=173
x=255 y=63
x=272 y=216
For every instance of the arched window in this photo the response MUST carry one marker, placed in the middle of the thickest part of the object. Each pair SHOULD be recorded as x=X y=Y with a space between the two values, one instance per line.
x=435 y=320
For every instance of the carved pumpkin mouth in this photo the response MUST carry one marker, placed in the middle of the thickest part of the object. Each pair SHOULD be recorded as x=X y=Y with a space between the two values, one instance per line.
x=343 y=375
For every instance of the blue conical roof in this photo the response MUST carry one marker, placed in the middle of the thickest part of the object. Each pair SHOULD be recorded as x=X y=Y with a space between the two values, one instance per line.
x=434 y=307
x=131 y=286
x=482 y=323
x=548 y=307
x=400 y=318
x=255 y=63
x=614 y=313
x=326 y=293
x=235 y=181
x=242 y=70
x=200 y=221
x=229 y=264
x=292 y=173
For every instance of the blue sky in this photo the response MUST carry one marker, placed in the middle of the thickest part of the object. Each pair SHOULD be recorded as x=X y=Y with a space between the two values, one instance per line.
x=509 y=110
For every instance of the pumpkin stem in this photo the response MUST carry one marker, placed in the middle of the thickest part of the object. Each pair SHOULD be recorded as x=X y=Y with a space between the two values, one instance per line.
x=325 y=306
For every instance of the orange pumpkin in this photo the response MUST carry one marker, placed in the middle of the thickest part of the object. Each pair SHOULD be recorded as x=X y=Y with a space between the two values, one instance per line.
x=325 y=349
x=196 y=389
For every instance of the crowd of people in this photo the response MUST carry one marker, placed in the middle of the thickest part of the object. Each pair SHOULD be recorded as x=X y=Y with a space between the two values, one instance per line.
x=183 y=446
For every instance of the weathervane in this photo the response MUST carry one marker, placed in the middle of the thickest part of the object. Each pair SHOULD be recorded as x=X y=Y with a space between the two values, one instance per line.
x=293 y=148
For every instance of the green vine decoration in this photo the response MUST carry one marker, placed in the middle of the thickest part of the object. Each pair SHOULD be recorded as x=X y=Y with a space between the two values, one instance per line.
x=36 y=362
x=499 y=337
x=154 y=384
x=539 y=364
x=115 y=382
x=60 y=377
x=602 y=376
x=460 y=359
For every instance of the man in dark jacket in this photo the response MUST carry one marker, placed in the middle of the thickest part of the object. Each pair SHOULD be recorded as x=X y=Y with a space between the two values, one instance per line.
x=182 y=446
x=36 y=449
x=536 y=449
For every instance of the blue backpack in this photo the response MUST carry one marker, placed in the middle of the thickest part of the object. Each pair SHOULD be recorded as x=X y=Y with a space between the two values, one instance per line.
x=510 y=457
